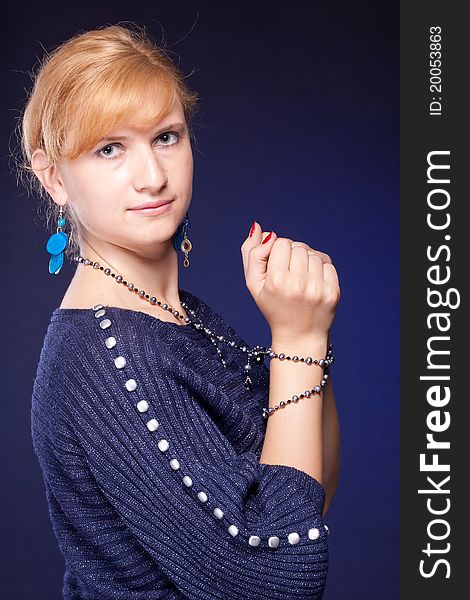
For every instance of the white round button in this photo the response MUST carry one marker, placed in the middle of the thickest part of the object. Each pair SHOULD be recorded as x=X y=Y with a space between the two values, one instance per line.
x=293 y=538
x=273 y=541
x=110 y=342
x=254 y=540
x=233 y=530
x=120 y=362
x=313 y=533
x=153 y=425
x=131 y=385
x=105 y=323
x=163 y=445
x=142 y=406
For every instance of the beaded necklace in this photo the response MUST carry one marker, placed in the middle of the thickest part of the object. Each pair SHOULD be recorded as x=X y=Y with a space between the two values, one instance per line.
x=256 y=354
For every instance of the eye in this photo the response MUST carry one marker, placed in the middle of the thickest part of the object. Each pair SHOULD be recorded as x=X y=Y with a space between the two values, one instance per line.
x=167 y=136
x=107 y=151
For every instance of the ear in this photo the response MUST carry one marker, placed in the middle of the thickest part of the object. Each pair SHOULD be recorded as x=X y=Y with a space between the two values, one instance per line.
x=49 y=176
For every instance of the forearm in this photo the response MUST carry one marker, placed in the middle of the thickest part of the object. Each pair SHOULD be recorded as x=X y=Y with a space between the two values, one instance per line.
x=294 y=434
x=331 y=444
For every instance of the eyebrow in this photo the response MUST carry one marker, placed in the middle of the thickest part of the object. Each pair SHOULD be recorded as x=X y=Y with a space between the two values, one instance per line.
x=177 y=125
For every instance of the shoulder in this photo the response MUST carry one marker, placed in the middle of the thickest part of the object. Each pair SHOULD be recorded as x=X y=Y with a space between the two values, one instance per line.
x=88 y=353
x=78 y=335
x=80 y=344
x=94 y=363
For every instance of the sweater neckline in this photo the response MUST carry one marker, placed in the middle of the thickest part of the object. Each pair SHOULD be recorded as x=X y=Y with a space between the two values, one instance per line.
x=185 y=296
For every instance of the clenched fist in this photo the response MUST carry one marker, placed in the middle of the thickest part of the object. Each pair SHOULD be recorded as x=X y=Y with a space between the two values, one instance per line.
x=295 y=287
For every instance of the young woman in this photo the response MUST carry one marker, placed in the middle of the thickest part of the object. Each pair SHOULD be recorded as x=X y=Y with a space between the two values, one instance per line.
x=176 y=464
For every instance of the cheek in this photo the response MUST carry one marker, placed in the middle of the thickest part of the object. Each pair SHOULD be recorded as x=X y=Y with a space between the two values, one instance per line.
x=188 y=167
x=96 y=206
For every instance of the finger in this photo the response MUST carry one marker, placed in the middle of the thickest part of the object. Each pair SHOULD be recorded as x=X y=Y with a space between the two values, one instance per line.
x=330 y=275
x=298 y=260
x=258 y=254
x=250 y=242
x=325 y=257
x=279 y=259
x=315 y=265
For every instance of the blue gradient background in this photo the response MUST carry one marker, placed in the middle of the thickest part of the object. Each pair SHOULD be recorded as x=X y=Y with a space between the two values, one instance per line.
x=298 y=129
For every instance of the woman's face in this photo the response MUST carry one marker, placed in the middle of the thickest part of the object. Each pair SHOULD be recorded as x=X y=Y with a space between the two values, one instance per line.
x=132 y=166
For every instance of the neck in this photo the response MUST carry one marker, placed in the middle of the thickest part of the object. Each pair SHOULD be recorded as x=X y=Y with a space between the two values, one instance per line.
x=156 y=274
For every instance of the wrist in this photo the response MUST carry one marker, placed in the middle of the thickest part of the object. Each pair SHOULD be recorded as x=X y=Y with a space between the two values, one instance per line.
x=315 y=346
x=289 y=339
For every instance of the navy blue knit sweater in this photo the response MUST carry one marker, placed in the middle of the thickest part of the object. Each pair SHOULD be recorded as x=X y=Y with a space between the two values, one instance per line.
x=149 y=449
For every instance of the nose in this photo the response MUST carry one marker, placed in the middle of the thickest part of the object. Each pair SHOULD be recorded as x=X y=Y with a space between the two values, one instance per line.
x=149 y=171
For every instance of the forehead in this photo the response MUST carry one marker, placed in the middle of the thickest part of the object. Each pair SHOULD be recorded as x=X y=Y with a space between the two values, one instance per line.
x=148 y=116
x=100 y=116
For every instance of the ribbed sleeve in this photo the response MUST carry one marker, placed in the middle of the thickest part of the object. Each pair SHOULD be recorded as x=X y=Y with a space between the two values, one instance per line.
x=141 y=472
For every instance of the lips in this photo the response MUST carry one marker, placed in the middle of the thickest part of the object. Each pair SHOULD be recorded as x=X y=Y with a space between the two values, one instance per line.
x=152 y=204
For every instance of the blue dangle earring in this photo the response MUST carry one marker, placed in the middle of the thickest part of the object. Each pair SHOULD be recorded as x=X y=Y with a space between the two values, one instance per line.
x=181 y=241
x=56 y=245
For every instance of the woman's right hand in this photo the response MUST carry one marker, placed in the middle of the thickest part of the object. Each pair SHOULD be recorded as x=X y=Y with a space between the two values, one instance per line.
x=295 y=287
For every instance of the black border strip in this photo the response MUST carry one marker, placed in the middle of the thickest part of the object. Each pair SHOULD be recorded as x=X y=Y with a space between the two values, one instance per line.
x=434 y=258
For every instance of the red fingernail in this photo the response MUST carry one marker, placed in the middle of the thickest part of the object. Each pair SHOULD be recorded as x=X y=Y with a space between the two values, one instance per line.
x=252 y=228
x=267 y=238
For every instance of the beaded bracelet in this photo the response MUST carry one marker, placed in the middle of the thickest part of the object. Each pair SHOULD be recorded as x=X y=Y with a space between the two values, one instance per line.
x=325 y=363
x=322 y=362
